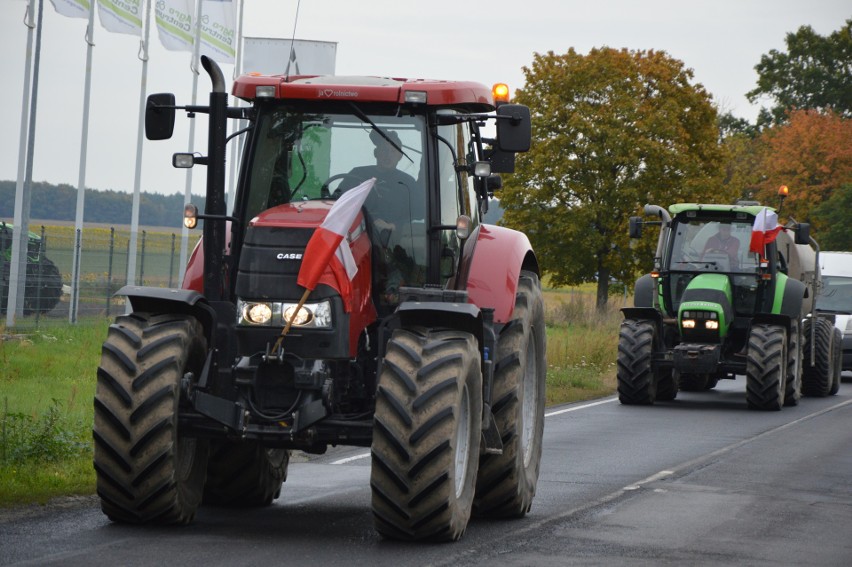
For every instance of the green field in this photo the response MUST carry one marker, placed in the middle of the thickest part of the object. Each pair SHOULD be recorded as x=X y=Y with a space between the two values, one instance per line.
x=47 y=384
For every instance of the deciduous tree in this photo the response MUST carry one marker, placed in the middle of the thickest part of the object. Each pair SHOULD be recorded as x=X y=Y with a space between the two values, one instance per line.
x=612 y=131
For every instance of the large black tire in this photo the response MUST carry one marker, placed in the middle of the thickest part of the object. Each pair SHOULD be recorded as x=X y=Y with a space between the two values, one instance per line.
x=44 y=287
x=694 y=382
x=817 y=380
x=244 y=474
x=506 y=483
x=667 y=385
x=766 y=367
x=426 y=435
x=793 y=391
x=147 y=472
x=837 y=361
x=636 y=383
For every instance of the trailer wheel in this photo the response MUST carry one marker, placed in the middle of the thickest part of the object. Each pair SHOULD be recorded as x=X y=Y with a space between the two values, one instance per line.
x=507 y=483
x=817 y=379
x=837 y=357
x=44 y=287
x=147 y=472
x=794 y=366
x=636 y=384
x=766 y=366
x=244 y=474
x=426 y=435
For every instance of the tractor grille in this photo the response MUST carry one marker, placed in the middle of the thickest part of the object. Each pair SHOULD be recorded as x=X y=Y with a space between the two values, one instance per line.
x=270 y=262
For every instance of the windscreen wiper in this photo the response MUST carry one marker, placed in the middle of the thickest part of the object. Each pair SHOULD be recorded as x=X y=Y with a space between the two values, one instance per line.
x=360 y=114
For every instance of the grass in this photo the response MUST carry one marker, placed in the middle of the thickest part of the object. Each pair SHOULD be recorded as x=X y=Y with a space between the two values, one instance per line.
x=47 y=384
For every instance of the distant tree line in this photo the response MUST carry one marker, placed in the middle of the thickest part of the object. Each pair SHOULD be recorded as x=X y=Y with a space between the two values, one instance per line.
x=59 y=202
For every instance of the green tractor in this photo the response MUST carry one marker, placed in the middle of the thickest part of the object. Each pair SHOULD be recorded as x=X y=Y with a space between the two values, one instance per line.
x=724 y=301
x=44 y=282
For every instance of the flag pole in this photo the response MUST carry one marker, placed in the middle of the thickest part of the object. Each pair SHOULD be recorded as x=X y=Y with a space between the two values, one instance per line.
x=137 y=181
x=23 y=192
x=289 y=324
x=81 y=180
x=187 y=190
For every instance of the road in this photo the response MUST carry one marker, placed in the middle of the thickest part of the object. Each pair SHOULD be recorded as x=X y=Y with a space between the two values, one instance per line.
x=700 y=481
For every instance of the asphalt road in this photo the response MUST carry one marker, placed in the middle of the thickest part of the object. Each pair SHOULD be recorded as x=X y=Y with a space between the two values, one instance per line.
x=697 y=481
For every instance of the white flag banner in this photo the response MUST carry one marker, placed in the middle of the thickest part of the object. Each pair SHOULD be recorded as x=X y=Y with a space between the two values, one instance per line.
x=272 y=56
x=121 y=16
x=218 y=31
x=174 y=24
x=72 y=8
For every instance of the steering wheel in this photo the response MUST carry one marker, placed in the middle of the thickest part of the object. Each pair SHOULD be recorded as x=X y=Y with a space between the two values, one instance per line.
x=324 y=192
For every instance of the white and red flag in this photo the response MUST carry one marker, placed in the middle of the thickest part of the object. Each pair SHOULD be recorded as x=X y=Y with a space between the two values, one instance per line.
x=764 y=231
x=328 y=247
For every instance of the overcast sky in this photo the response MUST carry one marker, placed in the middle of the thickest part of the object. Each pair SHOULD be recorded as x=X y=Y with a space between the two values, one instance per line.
x=489 y=41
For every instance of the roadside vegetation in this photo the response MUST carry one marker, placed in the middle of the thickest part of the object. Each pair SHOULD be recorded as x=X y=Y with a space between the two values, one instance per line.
x=47 y=384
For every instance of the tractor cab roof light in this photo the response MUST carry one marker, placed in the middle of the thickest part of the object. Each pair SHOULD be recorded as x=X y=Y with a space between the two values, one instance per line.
x=500 y=91
x=264 y=91
x=416 y=97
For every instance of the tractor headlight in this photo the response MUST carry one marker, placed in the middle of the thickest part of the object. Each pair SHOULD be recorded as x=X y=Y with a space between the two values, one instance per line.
x=688 y=323
x=257 y=313
x=310 y=315
x=711 y=324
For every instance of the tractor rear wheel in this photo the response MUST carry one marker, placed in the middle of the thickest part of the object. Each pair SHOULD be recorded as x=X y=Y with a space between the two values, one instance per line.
x=817 y=379
x=426 y=435
x=244 y=474
x=506 y=483
x=636 y=383
x=794 y=366
x=147 y=472
x=667 y=386
x=766 y=366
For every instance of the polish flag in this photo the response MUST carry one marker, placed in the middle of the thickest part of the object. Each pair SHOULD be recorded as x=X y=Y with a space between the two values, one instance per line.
x=329 y=248
x=764 y=231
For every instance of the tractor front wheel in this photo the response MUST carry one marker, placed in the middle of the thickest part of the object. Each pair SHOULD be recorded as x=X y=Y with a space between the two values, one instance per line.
x=147 y=472
x=766 y=367
x=507 y=483
x=426 y=435
x=636 y=383
x=817 y=380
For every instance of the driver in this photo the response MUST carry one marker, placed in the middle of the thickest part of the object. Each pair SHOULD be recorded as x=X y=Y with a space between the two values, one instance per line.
x=724 y=241
x=387 y=158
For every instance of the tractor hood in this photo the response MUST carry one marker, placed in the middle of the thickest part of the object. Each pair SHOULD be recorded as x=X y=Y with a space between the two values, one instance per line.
x=708 y=297
x=300 y=214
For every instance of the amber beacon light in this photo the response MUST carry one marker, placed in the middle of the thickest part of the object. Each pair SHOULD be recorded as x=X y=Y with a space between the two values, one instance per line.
x=500 y=92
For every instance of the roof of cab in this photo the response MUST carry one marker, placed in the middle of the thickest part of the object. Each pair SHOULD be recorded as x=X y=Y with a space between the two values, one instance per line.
x=366 y=89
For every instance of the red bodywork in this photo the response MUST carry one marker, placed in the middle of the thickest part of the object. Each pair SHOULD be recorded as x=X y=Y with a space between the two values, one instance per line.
x=310 y=214
x=494 y=264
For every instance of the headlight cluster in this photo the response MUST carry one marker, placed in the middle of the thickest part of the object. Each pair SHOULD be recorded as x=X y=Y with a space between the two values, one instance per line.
x=276 y=313
x=700 y=320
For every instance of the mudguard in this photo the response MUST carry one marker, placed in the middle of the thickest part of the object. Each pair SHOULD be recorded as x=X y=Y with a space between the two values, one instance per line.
x=166 y=300
x=492 y=267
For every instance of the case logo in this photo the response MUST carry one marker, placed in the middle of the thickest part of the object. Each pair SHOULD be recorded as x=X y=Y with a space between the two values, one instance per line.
x=289 y=256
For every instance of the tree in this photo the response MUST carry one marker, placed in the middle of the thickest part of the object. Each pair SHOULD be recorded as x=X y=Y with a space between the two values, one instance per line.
x=612 y=131
x=812 y=155
x=834 y=214
x=814 y=73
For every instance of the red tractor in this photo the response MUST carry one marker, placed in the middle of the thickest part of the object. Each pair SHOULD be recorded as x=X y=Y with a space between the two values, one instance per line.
x=429 y=347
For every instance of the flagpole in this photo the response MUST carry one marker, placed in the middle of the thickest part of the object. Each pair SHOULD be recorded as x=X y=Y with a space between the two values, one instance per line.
x=187 y=191
x=274 y=352
x=20 y=232
x=81 y=180
x=137 y=181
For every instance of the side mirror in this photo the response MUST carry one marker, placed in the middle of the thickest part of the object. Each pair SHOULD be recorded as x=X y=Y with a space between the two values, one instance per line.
x=502 y=162
x=803 y=233
x=635 y=229
x=514 y=131
x=493 y=182
x=160 y=116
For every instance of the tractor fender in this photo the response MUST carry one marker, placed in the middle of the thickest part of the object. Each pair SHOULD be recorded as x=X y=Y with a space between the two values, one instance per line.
x=791 y=298
x=649 y=314
x=437 y=314
x=772 y=319
x=166 y=300
x=643 y=291
x=493 y=266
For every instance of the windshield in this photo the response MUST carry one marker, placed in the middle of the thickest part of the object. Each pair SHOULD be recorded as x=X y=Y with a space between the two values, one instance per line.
x=836 y=294
x=301 y=156
x=713 y=246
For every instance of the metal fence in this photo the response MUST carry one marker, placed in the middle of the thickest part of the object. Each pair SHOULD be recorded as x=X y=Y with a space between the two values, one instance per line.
x=103 y=256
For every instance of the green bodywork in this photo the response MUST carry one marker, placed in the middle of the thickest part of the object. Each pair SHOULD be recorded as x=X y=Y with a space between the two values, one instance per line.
x=713 y=283
x=780 y=285
x=752 y=210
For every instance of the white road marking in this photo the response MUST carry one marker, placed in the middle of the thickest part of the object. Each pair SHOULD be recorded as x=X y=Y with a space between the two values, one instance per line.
x=557 y=412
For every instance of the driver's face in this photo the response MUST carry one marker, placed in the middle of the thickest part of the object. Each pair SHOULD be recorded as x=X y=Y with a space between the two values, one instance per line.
x=387 y=156
x=724 y=230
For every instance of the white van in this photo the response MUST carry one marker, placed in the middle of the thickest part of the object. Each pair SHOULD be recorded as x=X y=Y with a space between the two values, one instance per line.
x=836 y=296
